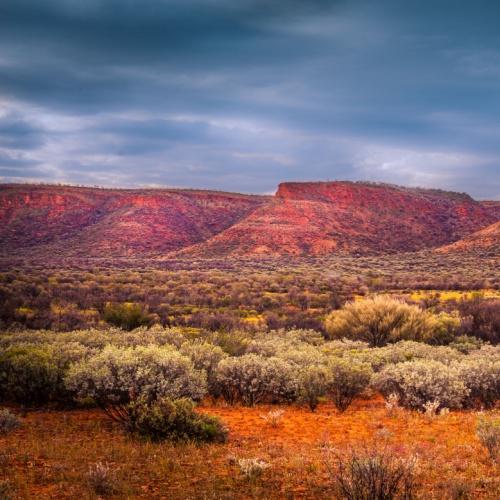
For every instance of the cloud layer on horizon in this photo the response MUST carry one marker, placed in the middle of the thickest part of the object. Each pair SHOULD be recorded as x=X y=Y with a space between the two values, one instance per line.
x=242 y=95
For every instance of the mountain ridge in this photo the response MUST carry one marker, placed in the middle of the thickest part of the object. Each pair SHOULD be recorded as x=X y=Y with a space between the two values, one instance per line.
x=302 y=218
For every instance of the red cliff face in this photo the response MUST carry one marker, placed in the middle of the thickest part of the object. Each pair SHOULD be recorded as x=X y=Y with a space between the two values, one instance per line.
x=318 y=218
x=302 y=219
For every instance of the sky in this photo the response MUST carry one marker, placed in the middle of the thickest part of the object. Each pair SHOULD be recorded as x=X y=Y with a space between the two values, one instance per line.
x=239 y=95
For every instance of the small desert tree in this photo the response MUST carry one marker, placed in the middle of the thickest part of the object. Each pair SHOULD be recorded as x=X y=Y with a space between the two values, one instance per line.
x=380 y=320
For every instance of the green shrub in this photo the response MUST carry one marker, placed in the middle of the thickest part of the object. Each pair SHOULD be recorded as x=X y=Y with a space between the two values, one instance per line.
x=33 y=375
x=419 y=382
x=466 y=344
x=116 y=376
x=29 y=376
x=127 y=315
x=313 y=383
x=174 y=420
x=346 y=380
x=380 y=320
x=234 y=343
x=253 y=379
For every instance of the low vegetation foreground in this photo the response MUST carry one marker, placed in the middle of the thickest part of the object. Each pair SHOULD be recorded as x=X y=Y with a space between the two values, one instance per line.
x=241 y=347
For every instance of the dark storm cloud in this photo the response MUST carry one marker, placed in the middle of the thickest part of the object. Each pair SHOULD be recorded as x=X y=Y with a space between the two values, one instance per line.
x=240 y=95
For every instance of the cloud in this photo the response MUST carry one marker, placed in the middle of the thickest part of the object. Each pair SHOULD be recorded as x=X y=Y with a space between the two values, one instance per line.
x=243 y=95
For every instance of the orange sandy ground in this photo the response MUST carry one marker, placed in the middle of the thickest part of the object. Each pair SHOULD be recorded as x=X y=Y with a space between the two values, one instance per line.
x=50 y=455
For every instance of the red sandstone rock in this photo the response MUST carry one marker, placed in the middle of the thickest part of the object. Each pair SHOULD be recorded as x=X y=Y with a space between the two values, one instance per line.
x=310 y=218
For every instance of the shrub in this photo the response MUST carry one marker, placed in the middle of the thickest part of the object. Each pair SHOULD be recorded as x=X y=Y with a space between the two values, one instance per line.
x=28 y=375
x=488 y=433
x=127 y=315
x=431 y=408
x=466 y=344
x=392 y=404
x=252 y=468
x=339 y=348
x=6 y=489
x=481 y=376
x=253 y=379
x=380 y=320
x=273 y=417
x=8 y=422
x=276 y=342
x=346 y=380
x=116 y=376
x=405 y=350
x=234 y=343
x=418 y=382
x=375 y=475
x=102 y=479
x=313 y=382
x=460 y=490
x=205 y=357
x=481 y=318
x=33 y=375
x=175 y=420
x=445 y=328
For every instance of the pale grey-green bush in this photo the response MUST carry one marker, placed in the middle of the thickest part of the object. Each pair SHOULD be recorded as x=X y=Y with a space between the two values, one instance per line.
x=253 y=379
x=277 y=342
x=466 y=344
x=97 y=339
x=346 y=380
x=344 y=347
x=313 y=384
x=422 y=381
x=206 y=357
x=297 y=347
x=482 y=378
x=116 y=376
x=403 y=351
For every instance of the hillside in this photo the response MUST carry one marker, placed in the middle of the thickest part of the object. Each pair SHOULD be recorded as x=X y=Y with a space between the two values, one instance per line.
x=301 y=219
x=357 y=218
x=486 y=241
x=104 y=222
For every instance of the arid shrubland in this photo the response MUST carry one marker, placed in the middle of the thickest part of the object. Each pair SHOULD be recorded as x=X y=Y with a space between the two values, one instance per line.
x=114 y=368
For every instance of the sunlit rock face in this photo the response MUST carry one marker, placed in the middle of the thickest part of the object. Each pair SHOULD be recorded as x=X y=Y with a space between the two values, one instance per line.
x=316 y=218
